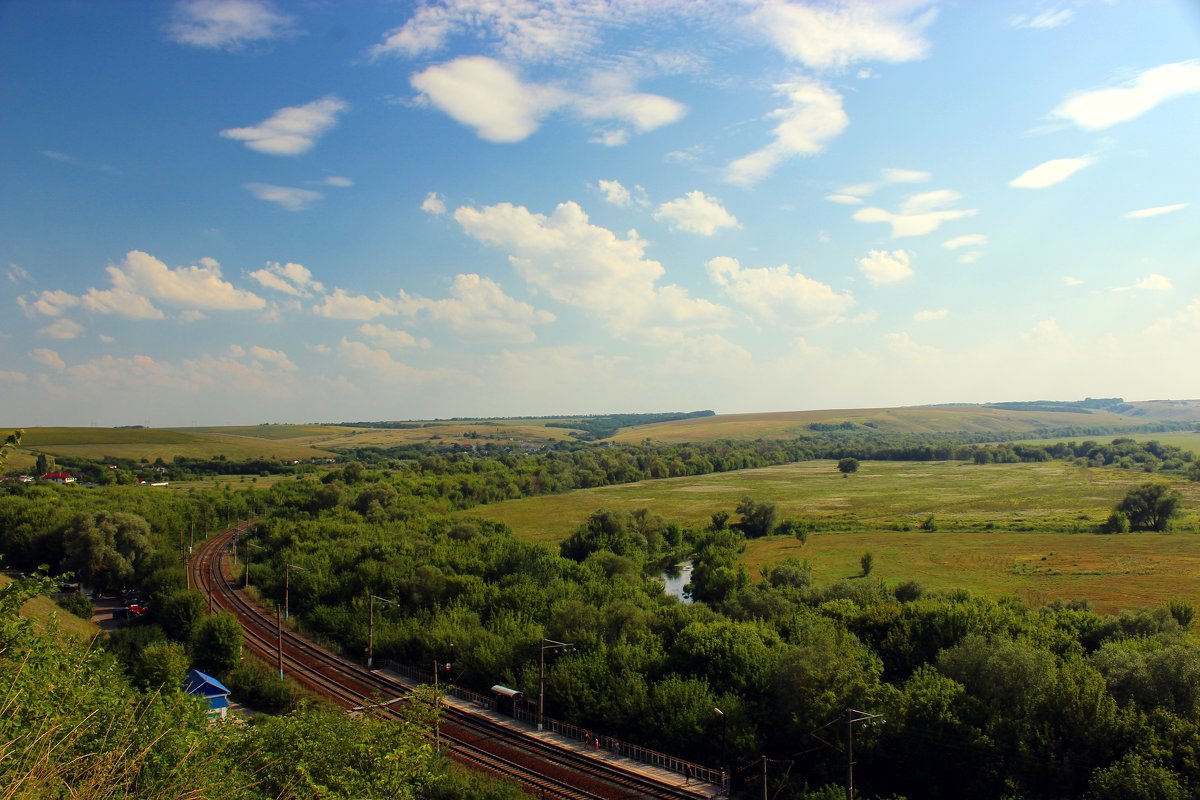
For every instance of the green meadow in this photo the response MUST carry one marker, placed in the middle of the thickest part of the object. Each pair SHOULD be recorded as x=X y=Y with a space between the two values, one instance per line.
x=1001 y=529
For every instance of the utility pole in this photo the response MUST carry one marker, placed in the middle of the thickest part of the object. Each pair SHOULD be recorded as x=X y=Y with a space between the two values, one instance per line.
x=279 y=640
x=764 y=776
x=854 y=716
x=546 y=644
x=370 y=630
x=437 y=708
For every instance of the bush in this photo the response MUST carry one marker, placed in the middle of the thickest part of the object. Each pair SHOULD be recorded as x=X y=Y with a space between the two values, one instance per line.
x=78 y=604
x=260 y=686
x=929 y=524
x=1116 y=523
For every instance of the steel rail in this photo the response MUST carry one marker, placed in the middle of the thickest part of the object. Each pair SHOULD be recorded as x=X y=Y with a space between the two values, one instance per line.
x=352 y=686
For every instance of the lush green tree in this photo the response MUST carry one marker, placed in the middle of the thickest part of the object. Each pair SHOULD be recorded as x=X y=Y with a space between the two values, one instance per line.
x=867 y=562
x=1150 y=507
x=45 y=463
x=758 y=518
x=217 y=643
x=178 y=613
x=162 y=666
x=106 y=548
x=1136 y=778
x=848 y=465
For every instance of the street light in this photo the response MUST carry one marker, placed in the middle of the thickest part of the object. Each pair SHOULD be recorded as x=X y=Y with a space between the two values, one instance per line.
x=547 y=644
x=246 y=583
x=371 y=626
x=287 y=568
x=724 y=720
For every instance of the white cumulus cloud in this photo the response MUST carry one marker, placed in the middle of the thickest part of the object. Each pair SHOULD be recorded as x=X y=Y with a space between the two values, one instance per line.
x=392 y=338
x=696 y=212
x=478 y=307
x=62 y=328
x=433 y=204
x=47 y=358
x=141 y=280
x=293 y=130
x=588 y=266
x=1049 y=173
x=292 y=279
x=880 y=266
x=1152 y=283
x=780 y=294
x=343 y=305
x=1102 y=108
x=489 y=96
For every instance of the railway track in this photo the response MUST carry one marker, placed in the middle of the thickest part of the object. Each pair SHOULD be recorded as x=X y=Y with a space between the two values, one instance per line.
x=542 y=766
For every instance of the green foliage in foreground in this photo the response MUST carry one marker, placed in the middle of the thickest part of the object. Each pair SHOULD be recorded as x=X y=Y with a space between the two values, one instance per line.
x=73 y=726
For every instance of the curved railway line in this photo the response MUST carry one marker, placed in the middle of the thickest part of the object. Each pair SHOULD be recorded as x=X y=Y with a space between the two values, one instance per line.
x=542 y=766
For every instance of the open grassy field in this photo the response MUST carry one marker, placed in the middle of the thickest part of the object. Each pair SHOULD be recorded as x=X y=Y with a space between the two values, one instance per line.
x=40 y=609
x=911 y=419
x=1002 y=529
x=285 y=442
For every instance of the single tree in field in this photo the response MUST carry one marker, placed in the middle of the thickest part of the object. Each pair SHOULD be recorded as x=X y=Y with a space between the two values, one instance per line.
x=1150 y=506
x=848 y=465
x=758 y=519
x=867 y=562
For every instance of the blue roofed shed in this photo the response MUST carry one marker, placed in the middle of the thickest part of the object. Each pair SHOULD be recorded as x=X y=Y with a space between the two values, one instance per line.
x=211 y=689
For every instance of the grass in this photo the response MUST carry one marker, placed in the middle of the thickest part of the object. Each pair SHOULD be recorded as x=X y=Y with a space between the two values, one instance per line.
x=40 y=608
x=1002 y=529
x=911 y=419
x=284 y=442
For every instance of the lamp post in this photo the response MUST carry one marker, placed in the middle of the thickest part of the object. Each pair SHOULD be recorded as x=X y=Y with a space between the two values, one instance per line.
x=287 y=568
x=547 y=644
x=724 y=720
x=371 y=627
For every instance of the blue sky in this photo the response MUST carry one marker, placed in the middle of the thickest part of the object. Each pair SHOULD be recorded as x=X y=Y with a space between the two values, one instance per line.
x=236 y=211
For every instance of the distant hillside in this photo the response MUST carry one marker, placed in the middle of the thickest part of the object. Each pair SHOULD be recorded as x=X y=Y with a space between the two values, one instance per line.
x=1033 y=418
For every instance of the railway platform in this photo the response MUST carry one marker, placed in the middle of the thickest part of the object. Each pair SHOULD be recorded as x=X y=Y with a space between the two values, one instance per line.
x=600 y=748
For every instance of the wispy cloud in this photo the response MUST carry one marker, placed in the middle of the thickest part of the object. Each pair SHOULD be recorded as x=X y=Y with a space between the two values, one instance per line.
x=1156 y=211
x=293 y=130
x=919 y=214
x=290 y=197
x=227 y=24
x=829 y=36
x=1049 y=173
x=1098 y=109
x=16 y=273
x=813 y=116
x=1050 y=18
x=291 y=279
x=968 y=240
x=931 y=315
